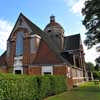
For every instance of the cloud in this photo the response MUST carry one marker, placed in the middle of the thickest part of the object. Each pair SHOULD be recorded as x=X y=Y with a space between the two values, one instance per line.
x=91 y=54
x=5 y=30
x=75 y=5
x=70 y=2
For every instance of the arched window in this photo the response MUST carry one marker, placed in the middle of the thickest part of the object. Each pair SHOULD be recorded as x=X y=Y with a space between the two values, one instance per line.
x=19 y=43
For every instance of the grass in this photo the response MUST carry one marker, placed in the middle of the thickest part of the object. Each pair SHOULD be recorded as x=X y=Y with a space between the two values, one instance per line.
x=87 y=91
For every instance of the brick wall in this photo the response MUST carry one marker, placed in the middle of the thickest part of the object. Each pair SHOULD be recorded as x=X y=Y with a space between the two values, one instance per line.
x=77 y=76
x=34 y=70
x=3 y=59
x=25 y=70
x=26 y=53
x=59 y=70
x=3 y=70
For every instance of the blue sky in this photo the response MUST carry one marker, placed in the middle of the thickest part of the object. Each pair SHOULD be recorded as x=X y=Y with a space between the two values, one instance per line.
x=67 y=13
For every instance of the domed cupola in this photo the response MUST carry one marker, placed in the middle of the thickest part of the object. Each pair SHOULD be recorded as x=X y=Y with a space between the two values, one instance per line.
x=56 y=32
x=53 y=26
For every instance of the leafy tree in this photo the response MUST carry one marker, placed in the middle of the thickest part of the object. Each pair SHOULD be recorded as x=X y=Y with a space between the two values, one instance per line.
x=90 y=66
x=98 y=60
x=91 y=13
x=97 y=67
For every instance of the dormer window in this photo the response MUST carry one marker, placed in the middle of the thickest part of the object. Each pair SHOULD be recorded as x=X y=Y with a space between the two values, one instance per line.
x=34 y=43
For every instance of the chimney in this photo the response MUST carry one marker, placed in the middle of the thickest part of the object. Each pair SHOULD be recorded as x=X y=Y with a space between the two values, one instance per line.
x=52 y=19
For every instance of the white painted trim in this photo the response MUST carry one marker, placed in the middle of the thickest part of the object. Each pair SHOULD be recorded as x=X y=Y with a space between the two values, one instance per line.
x=18 y=64
x=60 y=65
x=78 y=78
x=35 y=35
x=18 y=68
x=18 y=58
x=18 y=61
x=47 y=69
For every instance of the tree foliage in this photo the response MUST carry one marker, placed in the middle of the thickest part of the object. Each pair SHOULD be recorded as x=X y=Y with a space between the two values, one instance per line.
x=91 y=13
x=98 y=60
x=97 y=67
x=90 y=66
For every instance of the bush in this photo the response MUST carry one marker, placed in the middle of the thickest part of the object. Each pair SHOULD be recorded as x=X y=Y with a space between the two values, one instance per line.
x=21 y=87
x=96 y=75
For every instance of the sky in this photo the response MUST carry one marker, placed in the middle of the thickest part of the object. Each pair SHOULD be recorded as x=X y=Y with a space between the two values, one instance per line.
x=67 y=13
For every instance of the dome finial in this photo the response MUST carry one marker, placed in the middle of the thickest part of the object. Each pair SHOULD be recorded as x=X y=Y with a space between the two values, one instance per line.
x=52 y=18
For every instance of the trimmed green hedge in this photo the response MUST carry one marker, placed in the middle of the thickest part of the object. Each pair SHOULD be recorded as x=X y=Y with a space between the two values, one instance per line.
x=21 y=87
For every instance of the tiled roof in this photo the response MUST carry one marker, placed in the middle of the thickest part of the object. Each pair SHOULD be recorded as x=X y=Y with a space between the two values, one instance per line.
x=54 y=24
x=45 y=55
x=72 y=42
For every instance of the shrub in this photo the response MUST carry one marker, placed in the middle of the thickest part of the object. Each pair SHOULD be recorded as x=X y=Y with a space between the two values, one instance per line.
x=96 y=75
x=22 y=87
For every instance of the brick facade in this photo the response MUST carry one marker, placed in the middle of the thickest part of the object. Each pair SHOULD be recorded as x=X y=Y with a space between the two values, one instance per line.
x=34 y=70
x=31 y=63
x=59 y=70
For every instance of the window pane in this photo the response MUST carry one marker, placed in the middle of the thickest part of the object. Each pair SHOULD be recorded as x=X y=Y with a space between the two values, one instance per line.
x=19 y=44
x=47 y=73
x=33 y=45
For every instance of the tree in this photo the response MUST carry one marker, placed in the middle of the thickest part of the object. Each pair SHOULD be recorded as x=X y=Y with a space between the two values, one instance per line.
x=97 y=67
x=90 y=66
x=91 y=13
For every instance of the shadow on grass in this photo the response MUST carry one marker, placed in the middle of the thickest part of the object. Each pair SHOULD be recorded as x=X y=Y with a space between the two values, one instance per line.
x=87 y=89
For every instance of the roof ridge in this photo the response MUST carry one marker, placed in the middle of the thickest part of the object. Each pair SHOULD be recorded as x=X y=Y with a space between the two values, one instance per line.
x=72 y=35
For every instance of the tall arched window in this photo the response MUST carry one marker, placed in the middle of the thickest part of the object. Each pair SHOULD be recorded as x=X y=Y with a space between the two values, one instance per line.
x=19 y=43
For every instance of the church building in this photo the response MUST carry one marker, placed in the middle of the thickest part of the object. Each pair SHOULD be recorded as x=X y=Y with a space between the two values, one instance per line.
x=33 y=51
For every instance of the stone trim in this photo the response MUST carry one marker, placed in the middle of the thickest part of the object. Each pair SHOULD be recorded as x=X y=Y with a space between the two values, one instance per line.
x=18 y=68
x=78 y=78
x=35 y=35
x=18 y=58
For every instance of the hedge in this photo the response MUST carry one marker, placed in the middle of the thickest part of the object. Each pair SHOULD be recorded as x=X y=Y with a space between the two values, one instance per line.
x=21 y=87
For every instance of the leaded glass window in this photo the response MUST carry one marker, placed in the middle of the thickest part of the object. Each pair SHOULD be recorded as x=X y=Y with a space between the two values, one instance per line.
x=19 y=43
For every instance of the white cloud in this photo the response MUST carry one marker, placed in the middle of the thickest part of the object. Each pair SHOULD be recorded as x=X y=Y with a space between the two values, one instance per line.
x=5 y=30
x=70 y=2
x=91 y=54
x=75 y=5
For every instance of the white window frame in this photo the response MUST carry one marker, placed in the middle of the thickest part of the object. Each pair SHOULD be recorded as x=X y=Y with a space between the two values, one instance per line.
x=48 y=69
x=18 y=64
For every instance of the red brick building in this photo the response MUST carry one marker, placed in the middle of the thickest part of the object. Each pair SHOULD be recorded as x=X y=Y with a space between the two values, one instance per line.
x=33 y=51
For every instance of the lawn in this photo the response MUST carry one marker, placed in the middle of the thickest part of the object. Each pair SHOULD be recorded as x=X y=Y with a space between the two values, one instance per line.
x=87 y=91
